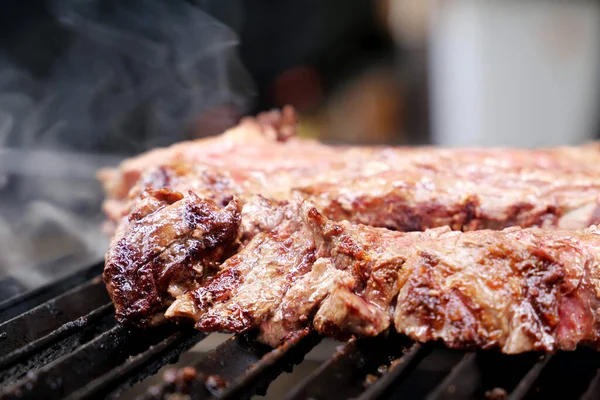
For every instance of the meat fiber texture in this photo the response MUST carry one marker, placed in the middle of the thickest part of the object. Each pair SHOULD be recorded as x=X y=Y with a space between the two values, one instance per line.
x=168 y=241
x=516 y=289
x=232 y=226
x=405 y=189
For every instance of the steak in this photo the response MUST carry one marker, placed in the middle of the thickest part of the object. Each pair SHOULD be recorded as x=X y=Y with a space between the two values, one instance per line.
x=406 y=200
x=168 y=243
x=515 y=289
x=405 y=189
x=260 y=229
x=256 y=148
x=399 y=188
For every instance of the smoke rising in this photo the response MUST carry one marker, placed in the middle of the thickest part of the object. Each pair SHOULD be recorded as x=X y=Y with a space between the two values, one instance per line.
x=119 y=78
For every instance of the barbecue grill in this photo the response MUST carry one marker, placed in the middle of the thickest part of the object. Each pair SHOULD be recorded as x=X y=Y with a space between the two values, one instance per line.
x=62 y=341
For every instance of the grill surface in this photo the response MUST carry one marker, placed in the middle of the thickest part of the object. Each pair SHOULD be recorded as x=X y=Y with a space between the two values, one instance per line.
x=62 y=341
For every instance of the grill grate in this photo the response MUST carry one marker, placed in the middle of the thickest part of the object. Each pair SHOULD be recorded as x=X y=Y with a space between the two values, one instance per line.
x=62 y=341
x=20 y=304
x=593 y=390
x=351 y=370
x=247 y=365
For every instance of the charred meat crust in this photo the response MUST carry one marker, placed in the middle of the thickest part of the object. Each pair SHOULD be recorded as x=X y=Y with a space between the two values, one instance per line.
x=517 y=289
x=168 y=243
x=514 y=289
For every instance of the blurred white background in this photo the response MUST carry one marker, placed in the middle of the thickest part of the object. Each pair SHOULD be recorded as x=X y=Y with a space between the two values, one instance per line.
x=520 y=73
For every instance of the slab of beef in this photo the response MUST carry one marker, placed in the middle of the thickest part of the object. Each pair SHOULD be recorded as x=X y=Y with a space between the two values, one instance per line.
x=169 y=242
x=413 y=201
x=516 y=289
x=500 y=187
x=410 y=200
x=177 y=215
x=403 y=189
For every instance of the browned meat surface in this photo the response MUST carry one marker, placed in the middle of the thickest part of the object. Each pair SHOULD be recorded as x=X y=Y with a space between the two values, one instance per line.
x=284 y=262
x=399 y=188
x=255 y=149
x=167 y=244
x=516 y=289
x=413 y=201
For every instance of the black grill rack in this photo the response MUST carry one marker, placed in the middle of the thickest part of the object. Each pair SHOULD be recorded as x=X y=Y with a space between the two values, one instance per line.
x=62 y=341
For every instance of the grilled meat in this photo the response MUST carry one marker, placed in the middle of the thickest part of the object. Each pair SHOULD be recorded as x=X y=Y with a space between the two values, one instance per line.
x=403 y=189
x=251 y=151
x=398 y=188
x=516 y=289
x=168 y=243
x=177 y=216
x=410 y=200
x=409 y=203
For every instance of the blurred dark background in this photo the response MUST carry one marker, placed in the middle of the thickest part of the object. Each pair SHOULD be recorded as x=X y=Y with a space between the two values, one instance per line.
x=122 y=77
x=327 y=58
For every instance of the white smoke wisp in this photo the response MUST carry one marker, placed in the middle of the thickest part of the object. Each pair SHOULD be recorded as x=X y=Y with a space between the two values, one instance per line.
x=129 y=76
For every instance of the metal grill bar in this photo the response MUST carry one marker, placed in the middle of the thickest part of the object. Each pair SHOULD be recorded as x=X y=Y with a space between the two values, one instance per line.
x=530 y=378
x=238 y=368
x=27 y=363
x=593 y=390
x=271 y=365
x=62 y=331
x=97 y=358
x=52 y=319
x=484 y=374
x=461 y=382
x=355 y=366
x=568 y=375
x=398 y=371
x=66 y=336
x=20 y=304
x=141 y=365
x=227 y=361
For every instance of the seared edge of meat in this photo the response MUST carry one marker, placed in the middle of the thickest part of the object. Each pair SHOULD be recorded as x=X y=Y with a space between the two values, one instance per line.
x=166 y=244
x=400 y=200
x=417 y=200
x=517 y=289
x=280 y=279
x=258 y=271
